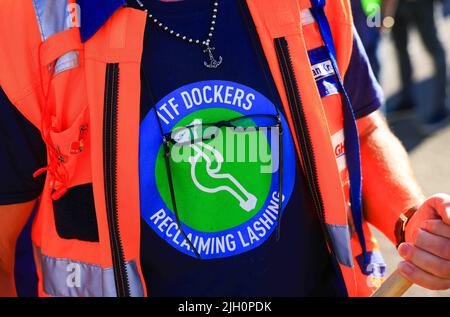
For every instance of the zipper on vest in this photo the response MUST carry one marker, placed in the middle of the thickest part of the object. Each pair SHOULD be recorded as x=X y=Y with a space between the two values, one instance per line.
x=303 y=135
x=110 y=124
x=301 y=126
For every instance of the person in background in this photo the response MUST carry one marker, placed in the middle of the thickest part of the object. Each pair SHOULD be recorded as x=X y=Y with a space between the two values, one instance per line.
x=421 y=14
x=446 y=7
x=371 y=18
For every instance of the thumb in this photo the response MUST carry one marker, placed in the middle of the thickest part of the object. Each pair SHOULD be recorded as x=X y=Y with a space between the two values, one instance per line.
x=435 y=207
x=440 y=205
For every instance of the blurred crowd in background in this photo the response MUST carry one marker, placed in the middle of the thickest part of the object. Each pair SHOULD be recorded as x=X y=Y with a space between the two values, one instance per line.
x=372 y=18
x=408 y=44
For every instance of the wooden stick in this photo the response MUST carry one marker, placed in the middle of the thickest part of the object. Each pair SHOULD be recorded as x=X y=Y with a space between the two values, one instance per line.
x=394 y=286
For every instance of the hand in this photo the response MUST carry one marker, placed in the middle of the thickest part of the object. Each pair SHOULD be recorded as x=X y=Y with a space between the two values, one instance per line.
x=427 y=247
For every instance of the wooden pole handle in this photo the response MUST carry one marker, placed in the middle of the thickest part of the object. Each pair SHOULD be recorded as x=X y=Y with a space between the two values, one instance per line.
x=394 y=286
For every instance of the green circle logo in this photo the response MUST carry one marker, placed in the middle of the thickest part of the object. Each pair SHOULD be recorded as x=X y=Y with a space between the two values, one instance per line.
x=217 y=143
x=208 y=201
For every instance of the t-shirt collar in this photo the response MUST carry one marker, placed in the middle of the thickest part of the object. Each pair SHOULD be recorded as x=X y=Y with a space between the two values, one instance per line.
x=94 y=14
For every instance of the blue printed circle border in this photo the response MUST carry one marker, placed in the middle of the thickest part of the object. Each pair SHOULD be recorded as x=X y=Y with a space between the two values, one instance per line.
x=151 y=141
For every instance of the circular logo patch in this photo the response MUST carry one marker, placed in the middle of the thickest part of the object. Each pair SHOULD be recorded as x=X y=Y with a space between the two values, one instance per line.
x=222 y=157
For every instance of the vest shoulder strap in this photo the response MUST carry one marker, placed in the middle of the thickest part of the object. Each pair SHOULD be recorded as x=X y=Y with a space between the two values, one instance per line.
x=34 y=23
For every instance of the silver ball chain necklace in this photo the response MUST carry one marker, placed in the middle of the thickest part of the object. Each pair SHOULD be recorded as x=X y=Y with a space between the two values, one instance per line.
x=207 y=48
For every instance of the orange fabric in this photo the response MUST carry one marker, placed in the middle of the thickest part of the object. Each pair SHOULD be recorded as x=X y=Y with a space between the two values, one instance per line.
x=126 y=49
x=273 y=20
x=69 y=104
x=19 y=56
x=59 y=44
x=75 y=97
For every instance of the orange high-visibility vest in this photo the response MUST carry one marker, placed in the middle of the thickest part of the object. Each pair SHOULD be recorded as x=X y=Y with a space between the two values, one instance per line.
x=85 y=99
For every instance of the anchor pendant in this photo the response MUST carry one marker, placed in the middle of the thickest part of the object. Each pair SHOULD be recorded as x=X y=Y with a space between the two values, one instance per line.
x=213 y=63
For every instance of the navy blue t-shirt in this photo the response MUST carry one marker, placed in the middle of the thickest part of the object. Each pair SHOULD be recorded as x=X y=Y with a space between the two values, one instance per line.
x=227 y=207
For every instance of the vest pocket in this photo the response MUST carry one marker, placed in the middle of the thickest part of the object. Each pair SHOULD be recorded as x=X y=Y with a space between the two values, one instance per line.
x=75 y=216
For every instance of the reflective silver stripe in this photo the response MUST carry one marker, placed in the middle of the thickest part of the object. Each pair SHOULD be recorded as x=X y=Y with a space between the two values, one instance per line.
x=340 y=237
x=307 y=17
x=67 y=61
x=53 y=16
x=69 y=278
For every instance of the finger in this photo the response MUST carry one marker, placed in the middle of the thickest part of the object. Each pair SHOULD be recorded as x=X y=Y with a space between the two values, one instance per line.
x=425 y=261
x=422 y=278
x=433 y=244
x=437 y=227
x=441 y=204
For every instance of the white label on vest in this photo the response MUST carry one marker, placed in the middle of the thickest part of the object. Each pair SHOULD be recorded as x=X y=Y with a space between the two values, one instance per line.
x=322 y=70
x=307 y=17
x=339 y=149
